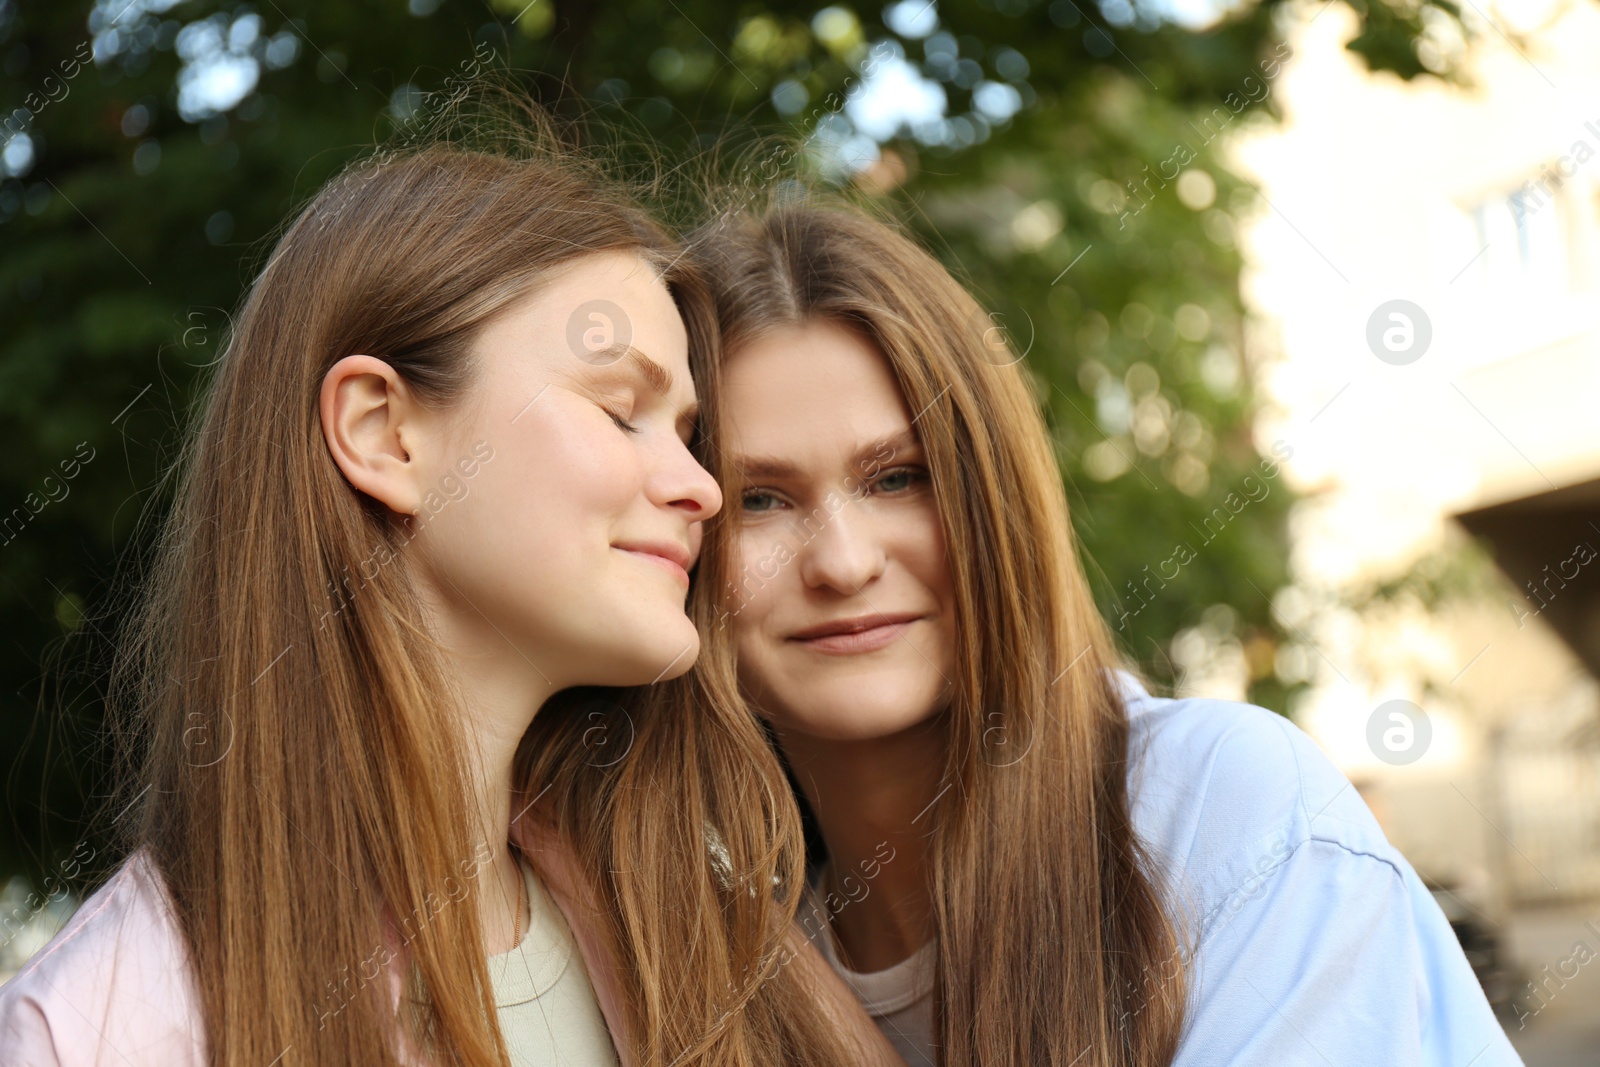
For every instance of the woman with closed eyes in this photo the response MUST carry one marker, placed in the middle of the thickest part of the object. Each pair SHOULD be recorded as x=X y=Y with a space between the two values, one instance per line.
x=419 y=771
x=1022 y=857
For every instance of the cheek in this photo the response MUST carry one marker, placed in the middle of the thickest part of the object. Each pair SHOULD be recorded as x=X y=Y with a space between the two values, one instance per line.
x=759 y=658
x=925 y=553
x=747 y=653
x=752 y=590
x=747 y=550
x=549 y=487
x=568 y=463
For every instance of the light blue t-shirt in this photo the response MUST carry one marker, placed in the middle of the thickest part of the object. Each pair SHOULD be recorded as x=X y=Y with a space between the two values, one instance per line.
x=1317 y=942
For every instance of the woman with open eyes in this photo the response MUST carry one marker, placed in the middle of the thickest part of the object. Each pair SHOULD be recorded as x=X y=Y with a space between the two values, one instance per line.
x=418 y=768
x=1022 y=857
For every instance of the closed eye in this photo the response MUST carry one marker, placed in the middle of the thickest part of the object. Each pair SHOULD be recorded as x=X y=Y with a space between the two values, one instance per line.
x=622 y=423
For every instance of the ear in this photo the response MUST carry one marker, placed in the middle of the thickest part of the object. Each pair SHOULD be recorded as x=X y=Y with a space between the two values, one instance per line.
x=372 y=423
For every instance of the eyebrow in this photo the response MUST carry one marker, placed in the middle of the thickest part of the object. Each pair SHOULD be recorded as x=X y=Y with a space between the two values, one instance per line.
x=654 y=374
x=773 y=467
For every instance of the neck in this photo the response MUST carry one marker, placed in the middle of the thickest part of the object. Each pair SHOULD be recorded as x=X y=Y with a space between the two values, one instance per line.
x=501 y=689
x=873 y=801
x=495 y=729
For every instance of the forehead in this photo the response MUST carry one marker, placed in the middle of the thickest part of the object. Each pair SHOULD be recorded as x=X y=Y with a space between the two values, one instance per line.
x=597 y=302
x=813 y=393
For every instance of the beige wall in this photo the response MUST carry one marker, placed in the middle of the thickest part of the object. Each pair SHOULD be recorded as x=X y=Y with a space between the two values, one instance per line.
x=1375 y=190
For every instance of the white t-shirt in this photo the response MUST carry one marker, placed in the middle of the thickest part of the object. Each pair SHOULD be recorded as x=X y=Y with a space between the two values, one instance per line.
x=899 y=998
x=547 y=1008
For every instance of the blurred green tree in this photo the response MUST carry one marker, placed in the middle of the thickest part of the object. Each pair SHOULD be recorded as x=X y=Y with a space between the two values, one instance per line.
x=1059 y=156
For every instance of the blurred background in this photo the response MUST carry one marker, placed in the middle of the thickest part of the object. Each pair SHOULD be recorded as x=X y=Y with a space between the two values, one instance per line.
x=1309 y=289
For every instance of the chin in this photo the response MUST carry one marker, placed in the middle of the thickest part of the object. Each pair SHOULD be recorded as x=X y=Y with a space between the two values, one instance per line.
x=860 y=714
x=670 y=650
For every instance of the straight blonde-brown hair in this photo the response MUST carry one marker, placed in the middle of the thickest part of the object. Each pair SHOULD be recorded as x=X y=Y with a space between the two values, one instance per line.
x=298 y=767
x=1055 y=943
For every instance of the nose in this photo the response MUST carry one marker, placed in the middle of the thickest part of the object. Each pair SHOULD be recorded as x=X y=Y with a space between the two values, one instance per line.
x=844 y=555
x=680 y=483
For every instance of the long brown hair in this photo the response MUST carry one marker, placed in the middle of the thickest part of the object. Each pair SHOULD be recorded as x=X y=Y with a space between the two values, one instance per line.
x=1055 y=945
x=302 y=785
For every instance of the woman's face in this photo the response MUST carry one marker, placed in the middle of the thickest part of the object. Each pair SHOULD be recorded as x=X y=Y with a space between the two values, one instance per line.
x=842 y=609
x=571 y=538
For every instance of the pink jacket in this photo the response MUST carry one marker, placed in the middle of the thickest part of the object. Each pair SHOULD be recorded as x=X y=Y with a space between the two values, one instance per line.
x=113 y=987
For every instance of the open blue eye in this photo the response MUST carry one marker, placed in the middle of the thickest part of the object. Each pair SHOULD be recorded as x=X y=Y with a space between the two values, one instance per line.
x=898 y=481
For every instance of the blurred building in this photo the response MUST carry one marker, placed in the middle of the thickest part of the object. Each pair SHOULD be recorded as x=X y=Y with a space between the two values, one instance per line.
x=1425 y=262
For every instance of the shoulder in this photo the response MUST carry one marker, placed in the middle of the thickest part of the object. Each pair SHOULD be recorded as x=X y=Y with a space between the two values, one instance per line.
x=1223 y=793
x=1301 y=914
x=113 y=985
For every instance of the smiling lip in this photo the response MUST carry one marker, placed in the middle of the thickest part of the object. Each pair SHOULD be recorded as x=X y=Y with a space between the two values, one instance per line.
x=668 y=555
x=865 y=633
